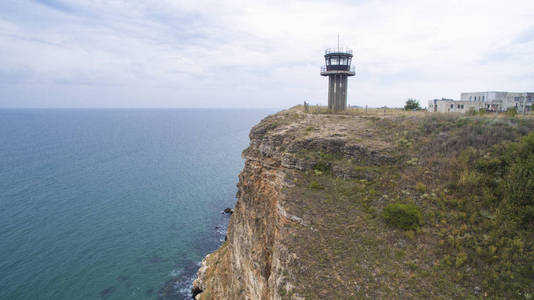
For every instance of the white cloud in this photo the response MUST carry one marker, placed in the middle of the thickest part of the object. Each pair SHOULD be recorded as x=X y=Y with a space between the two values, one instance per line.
x=257 y=54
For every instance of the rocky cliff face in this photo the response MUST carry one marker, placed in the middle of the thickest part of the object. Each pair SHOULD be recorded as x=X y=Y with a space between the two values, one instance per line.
x=308 y=221
x=254 y=262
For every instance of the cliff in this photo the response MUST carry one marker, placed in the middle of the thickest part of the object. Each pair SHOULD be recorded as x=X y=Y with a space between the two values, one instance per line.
x=318 y=203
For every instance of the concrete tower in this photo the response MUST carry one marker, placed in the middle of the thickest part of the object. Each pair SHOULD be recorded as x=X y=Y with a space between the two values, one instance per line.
x=337 y=68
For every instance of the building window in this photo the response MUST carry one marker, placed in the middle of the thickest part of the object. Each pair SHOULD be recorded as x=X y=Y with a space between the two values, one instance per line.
x=470 y=98
x=452 y=105
x=462 y=106
x=483 y=98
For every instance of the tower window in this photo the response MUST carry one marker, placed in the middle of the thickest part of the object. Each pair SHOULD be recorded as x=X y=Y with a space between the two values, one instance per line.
x=334 y=60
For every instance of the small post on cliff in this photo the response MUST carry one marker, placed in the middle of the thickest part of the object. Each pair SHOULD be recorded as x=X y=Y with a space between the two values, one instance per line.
x=365 y=108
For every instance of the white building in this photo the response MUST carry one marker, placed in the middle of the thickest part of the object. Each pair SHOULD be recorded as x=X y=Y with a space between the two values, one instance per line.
x=489 y=101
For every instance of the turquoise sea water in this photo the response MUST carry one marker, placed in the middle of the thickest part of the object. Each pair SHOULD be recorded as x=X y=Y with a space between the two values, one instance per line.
x=114 y=204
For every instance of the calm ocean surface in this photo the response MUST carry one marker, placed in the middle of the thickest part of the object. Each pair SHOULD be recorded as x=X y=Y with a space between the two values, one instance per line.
x=114 y=204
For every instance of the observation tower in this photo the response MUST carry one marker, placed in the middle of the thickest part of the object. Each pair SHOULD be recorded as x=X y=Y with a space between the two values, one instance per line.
x=337 y=67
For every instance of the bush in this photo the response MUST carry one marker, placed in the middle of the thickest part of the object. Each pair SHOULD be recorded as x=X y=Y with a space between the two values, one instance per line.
x=517 y=179
x=412 y=104
x=512 y=112
x=315 y=185
x=520 y=183
x=404 y=216
x=420 y=187
x=321 y=166
x=461 y=259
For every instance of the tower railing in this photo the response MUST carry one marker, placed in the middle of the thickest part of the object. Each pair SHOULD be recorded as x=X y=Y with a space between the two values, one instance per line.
x=352 y=69
x=338 y=50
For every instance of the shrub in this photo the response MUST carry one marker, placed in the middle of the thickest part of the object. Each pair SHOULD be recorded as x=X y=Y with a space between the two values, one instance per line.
x=315 y=185
x=461 y=259
x=404 y=216
x=520 y=183
x=321 y=166
x=516 y=179
x=512 y=112
x=420 y=187
x=326 y=156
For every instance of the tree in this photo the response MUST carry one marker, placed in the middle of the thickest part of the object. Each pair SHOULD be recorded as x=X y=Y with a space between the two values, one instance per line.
x=412 y=104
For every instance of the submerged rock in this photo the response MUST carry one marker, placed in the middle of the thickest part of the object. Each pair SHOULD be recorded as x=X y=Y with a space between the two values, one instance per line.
x=106 y=292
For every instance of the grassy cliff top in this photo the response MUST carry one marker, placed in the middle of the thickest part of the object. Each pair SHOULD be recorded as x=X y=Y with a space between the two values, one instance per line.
x=405 y=204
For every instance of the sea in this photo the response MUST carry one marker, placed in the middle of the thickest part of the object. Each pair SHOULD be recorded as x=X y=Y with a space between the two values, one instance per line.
x=115 y=203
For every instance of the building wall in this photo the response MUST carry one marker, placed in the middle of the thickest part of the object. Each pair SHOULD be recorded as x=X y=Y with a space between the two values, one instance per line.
x=479 y=96
x=445 y=106
x=491 y=101
x=519 y=100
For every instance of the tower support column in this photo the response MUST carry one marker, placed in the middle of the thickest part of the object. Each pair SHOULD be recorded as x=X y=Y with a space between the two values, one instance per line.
x=331 y=91
x=337 y=92
x=345 y=86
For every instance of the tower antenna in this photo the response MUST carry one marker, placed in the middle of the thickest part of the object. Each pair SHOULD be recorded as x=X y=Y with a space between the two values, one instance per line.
x=338 y=42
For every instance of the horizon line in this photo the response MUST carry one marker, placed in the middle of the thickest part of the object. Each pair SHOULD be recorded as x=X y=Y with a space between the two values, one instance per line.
x=133 y=107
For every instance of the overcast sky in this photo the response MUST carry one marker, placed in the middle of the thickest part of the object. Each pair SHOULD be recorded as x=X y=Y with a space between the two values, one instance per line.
x=165 y=53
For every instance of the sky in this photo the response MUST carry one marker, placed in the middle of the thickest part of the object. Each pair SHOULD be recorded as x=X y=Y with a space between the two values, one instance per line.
x=258 y=54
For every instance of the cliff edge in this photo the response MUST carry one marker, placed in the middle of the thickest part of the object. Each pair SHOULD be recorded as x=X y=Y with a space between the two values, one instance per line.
x=366 y=205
